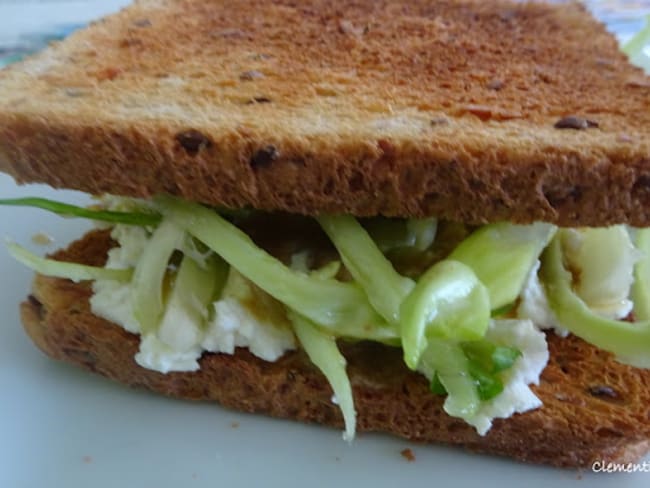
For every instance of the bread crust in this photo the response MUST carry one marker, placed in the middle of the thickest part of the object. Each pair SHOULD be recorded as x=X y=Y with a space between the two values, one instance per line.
x=425 y=108
x=595 y=409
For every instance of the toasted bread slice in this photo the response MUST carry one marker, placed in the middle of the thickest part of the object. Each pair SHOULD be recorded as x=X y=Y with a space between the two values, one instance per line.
x=469 y=110
x=594 y=408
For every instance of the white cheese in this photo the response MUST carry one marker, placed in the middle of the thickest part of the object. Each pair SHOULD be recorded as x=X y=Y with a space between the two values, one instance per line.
x=158 y=356
x=516 y=397
x=234 y=325
x=132 y=241
x=246 y=316
x=604 y=259
x=180 y=341
x=535 y=307
x=111 y=299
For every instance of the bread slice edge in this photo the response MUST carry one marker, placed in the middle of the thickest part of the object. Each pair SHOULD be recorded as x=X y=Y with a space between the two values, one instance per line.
x=577 y=426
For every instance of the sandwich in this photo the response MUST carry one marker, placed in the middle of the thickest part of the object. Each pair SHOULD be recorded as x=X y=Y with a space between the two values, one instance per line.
x=425 y=218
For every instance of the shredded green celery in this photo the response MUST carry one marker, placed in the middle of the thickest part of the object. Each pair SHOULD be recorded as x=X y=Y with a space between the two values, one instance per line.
x=448 y=302
x=502 y=256
x=67 y=210
x=485 y=362
x=324 y=353
x=196 y=250
x=340 y=307
x=391 y=234
x=452 y=368
x=605 y=258
x=640 y=292
x=630 y=342
x=61 y=269
x=147 y=298
x=186 y=310
x=327 y=272
x=385 y=288
x=634 y=48
x=423 y=232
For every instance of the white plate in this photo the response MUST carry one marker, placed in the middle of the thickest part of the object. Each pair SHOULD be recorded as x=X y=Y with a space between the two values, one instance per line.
x=61 y=427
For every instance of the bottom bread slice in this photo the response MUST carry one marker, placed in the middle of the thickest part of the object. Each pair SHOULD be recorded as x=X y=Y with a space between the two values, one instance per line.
x=595 y=409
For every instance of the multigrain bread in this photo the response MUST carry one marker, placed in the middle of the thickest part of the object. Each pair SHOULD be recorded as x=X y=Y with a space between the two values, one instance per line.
x=594 y=408
x=469 y=110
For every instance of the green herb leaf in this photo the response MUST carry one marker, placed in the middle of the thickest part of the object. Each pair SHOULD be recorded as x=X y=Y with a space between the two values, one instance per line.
x=451 y=365
x=488 y=384
x=484 y=363
x=504 y=357
x=67 y=210
x=436 y=386
x=490 y=357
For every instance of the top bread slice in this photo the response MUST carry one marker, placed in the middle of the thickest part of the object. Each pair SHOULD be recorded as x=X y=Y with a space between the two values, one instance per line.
x=467 y=110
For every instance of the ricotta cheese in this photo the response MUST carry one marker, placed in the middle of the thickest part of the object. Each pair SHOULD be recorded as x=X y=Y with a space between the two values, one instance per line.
x=516 y=397
x=245 y=316
x=534 y=305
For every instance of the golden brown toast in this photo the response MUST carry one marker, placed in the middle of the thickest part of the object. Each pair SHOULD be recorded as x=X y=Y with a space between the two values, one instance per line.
x=594 y=408
x=469 y=110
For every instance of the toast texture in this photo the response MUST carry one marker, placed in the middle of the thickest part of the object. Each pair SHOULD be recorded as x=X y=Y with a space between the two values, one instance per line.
x=594 y=409
x=468 y=110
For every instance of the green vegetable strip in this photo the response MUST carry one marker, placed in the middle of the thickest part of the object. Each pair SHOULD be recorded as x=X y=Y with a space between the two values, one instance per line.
x=386 y=289
x=488 y=385
x=491 y=357
x=423 y=231
x=640 y=291
x=634 y=47
x=323 y=352
x=452 y=368
x=605 y=258
x=187 y=305
x=389 y=234
x=629 y=341
x=341 y=307
x=147 y=298
x=448 y=302
x=67 y=210
x=485 y=360
x=502 y=256
x=61 y=269
x=327 y=272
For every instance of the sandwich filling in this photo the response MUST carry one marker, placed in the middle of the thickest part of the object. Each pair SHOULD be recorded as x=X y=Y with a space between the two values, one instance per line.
x=466 y=305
